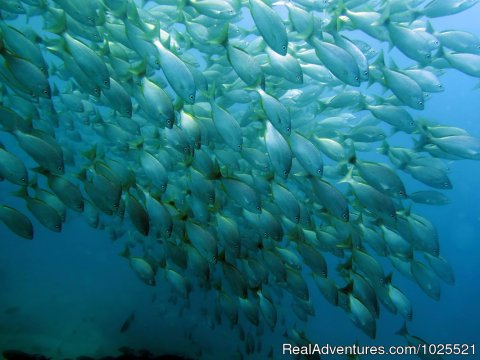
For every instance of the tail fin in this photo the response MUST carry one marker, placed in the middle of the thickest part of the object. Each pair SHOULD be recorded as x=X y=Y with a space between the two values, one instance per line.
x=384 y=148
x=348 y=178
x=126 y=252
x=403 y=331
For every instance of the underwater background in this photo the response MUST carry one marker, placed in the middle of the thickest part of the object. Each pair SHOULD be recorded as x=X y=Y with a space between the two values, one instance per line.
x=67 y=294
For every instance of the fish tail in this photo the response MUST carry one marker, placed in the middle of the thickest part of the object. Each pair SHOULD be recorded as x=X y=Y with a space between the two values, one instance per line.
x=57 y=47
x=380 y=60
x=384 y=148
x=21 y=193
x=403 y=331
x=352 y=154
x=384 y=19
x=476 y=87
x=348 y=178
x=126 y=252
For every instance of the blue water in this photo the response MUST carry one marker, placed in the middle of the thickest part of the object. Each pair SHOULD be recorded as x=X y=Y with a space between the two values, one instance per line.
x=69 y=293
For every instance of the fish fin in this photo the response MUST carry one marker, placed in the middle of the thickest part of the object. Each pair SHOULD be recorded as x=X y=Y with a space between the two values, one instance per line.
x=22 y=192
x=394 y=130
x=384 y=19
x=57 y=47
x=403 y=331
x=384 y=148
x=347 y=178
x=429 y=27
x=103 y=49
x=341 y=8
x=82 y=174
x=55 y=91
x=393 y=65
x=352 y=155
x=295 y=234
x=347 y=289
x=126 y=252
x=33 y=182
x=222 y=38
x=138 y=68
x=380 y=60
x=90 y=154
x=388 y=279
x=179 y=103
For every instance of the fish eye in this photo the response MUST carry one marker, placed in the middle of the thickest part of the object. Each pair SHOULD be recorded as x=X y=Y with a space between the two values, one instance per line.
x=288 y=130
x=285 y=172
x=57 y=226
x=60 y=168
x=365 y=73
x=298 y=77
x=185 y=149
x=319 y=171
x=357 y=78
x=191 y=97
x=258 y=208
x=392 y=215
x=428 y=56
x=284 y=47
x=45 y=91
x=297 y=219
x=420 y=103
x=105 y=81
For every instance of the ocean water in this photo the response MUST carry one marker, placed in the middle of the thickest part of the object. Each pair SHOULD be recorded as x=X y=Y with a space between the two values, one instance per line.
x=67 y=294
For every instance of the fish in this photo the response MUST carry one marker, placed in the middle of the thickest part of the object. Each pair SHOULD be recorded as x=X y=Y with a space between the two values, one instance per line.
x=141 y=267
x=279 y=151
x=16 y=221
x=128 y=321
x=339 y=61
x=177 y=73
x=12 y=168
x=88 y=61
x=270 y=26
